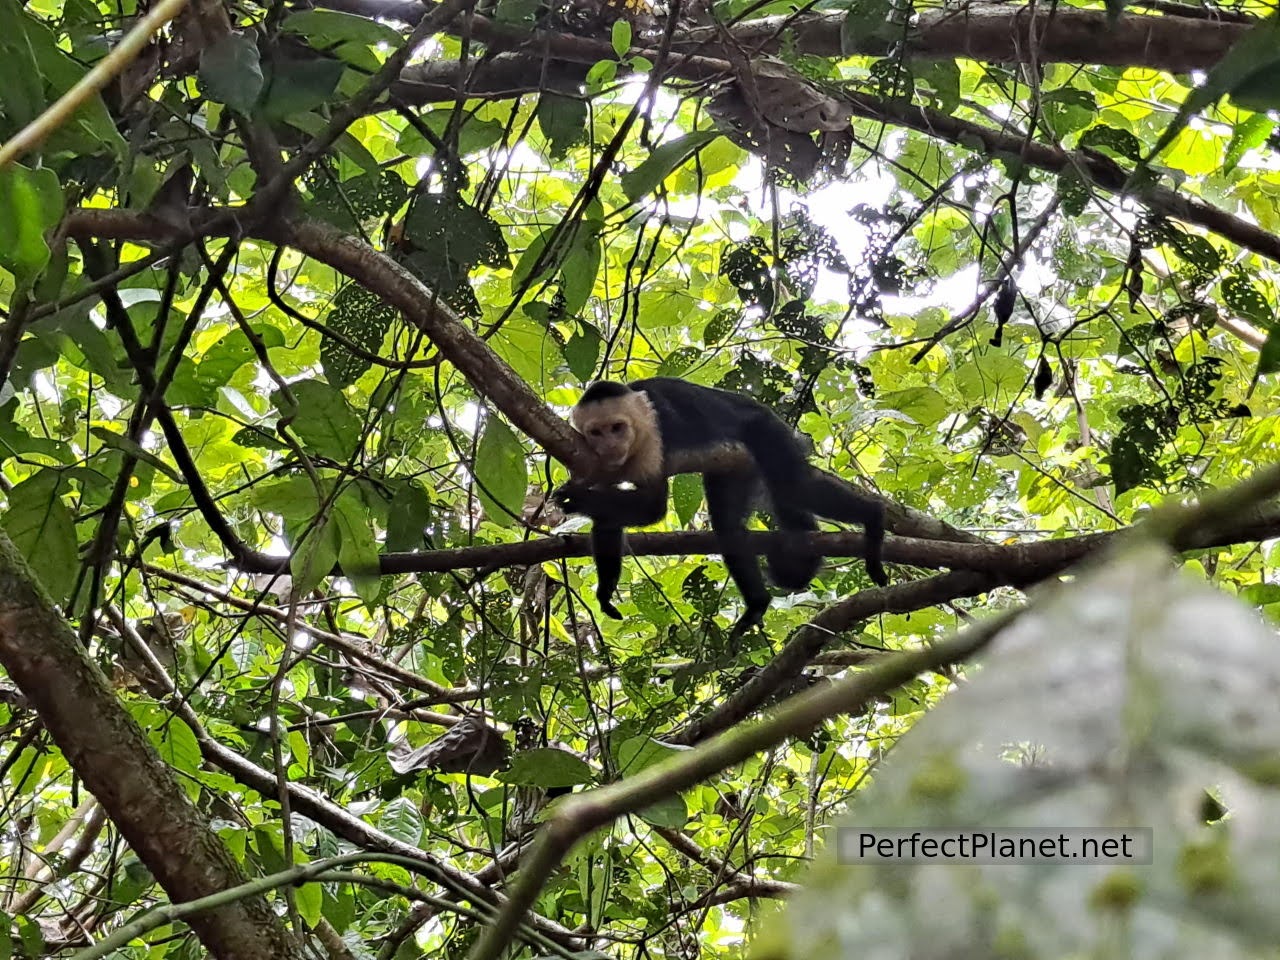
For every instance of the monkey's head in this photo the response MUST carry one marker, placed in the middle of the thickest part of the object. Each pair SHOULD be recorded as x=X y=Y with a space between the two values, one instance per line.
x=615 y=420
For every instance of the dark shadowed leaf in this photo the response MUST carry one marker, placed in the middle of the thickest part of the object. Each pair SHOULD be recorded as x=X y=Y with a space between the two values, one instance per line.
x=231 y=72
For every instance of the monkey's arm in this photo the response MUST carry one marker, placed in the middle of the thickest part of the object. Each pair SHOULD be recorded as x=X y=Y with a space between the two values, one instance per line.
x=606 y=546
x=613 y=505
x=612 y=509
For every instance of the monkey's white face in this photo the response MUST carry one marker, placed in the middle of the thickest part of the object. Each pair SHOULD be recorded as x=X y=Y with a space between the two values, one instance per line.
x=611 y=438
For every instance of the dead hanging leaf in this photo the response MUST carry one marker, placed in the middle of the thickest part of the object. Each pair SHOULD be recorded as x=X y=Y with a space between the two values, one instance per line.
x=772 y=111
x=471 y=746
x=789 y=100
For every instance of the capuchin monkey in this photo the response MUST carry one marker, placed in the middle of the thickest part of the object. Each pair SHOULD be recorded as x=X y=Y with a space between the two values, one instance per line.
x=644 y=431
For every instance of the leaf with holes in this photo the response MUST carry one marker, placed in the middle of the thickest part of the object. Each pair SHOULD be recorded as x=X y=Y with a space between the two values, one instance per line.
x=364 y=319
x=1107 y=139
x=1246 y=300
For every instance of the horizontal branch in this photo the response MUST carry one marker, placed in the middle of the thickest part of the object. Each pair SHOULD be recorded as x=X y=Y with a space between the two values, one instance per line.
x=990 y=32
x=1006 y=33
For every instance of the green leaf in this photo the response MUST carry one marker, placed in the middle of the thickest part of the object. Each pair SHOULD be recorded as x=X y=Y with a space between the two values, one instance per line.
x=686 y=496
x=639 y=753
x=1259 y=91
x=867 y=22
x=221 y=360
x=120 y=442
x=403 y=820
x=315 y=557
x=323 y=421
x=1068 y=109
x=666 y=158
x=177 y=745
x=407 y=517
x=669 y=812
x=501 y=472
x=231 y=72
x=473 y=136
x=91 y=131
x=297 y=86
x=583 y=350
x=21 y=84
x=309 y=899
x=601 y=74
x=530 y=350
x=30 y=206
x=547 y=767
x=532 y=254
x=1248 y=133
x=350 y=146
x=329 y=28
x=1269 y=355
x=41 y=527
x=581 y=264
x=620 y=37
x=563 y=122
x=357 y=548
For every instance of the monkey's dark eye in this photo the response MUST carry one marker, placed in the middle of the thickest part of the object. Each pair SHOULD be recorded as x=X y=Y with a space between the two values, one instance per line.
x=617 y=427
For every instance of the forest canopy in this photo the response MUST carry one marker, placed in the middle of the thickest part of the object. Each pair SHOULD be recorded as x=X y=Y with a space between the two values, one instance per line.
x=298 y=656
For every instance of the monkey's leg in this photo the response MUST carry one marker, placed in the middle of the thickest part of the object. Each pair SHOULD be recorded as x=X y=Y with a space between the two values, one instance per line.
x=831 y=498
x=729 y=499
x=782 y=461
x=606 y=547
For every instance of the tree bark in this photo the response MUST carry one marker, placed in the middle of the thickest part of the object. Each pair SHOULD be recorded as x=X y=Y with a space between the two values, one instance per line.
x=120 y=767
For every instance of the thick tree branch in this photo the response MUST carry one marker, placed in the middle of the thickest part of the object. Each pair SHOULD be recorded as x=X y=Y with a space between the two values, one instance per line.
x=995 y=32
x=1257 y=523
x=1008 y=33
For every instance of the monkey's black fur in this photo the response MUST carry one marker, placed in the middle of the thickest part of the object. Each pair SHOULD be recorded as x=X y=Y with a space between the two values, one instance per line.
x=693 y=424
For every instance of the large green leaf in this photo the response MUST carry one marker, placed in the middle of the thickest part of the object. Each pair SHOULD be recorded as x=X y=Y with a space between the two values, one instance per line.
x=41 y=527
x=501 y=473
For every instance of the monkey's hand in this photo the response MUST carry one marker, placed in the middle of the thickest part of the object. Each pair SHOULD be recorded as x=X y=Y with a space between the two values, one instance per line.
x=572 y=496
x=876 y=572
x=607 y=607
